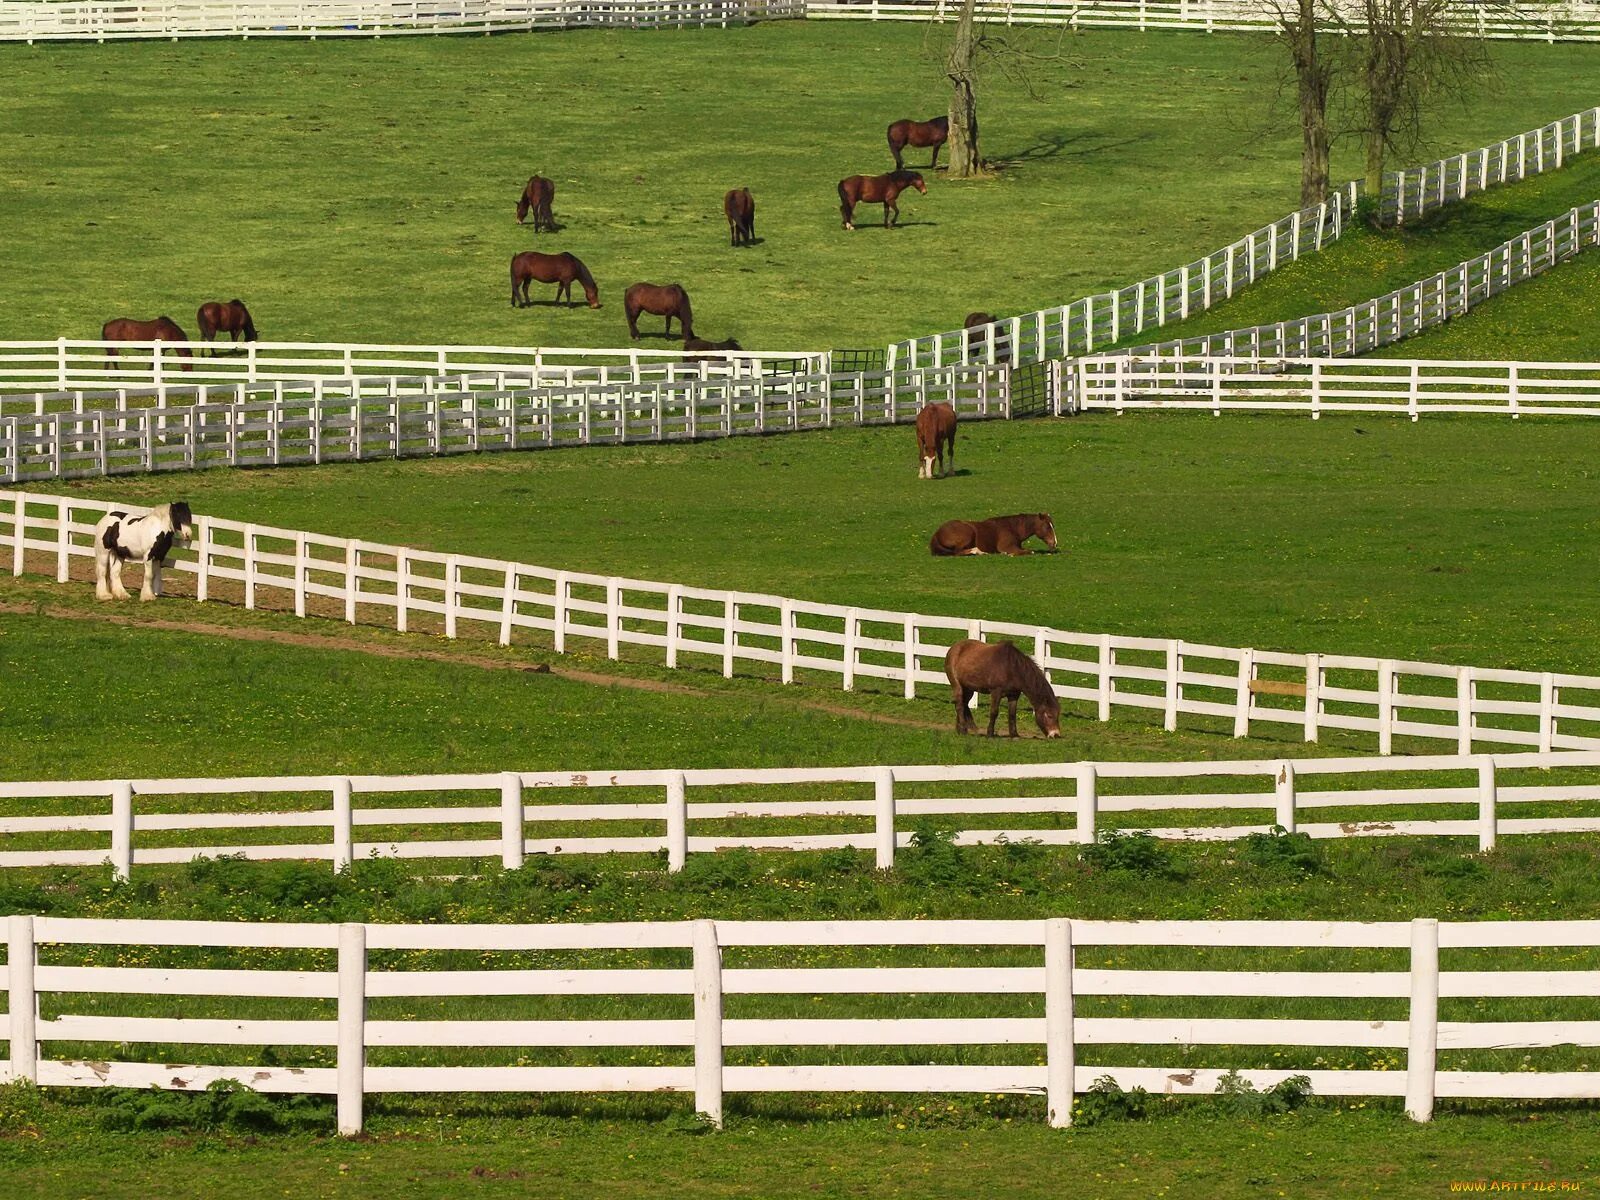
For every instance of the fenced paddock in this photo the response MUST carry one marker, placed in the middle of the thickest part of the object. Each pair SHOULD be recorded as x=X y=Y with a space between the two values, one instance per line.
x=1419 y=1010
x=472 y=818
x=1227 y=688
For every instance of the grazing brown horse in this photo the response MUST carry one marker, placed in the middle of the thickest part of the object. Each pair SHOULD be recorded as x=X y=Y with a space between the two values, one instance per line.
x=232 y=318
x=875 y=189
x=1003 y=671
x=907 y=132
x=667 y=300
x=560 y=269
x=740 y=208
x=997 y=535
x=162 y=329
x=537 y=196
x=936 y=431
x=977 y=320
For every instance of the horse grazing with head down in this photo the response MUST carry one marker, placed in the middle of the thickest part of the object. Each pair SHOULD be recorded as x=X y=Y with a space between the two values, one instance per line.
x=1003 y=671
x=667 y=300
x=119 y=538
x=739 y=206
x=232 y=318
x=162 y=329
x=997 y=535
x=877 y=189
x=907 y=132
x=537 y=196
x=936 y=433
x=690 y=344
x=560 y=269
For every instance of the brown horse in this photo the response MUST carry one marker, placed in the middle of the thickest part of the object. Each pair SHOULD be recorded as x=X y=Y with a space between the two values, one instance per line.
x=667 y=300
x=560 y=269
x=1003 y=671
x=232 y=318
x=740 y=208
x=162 y=329
x=537 y=196
x=907 y=132
x=874 y=189
x=997 y=535
x=695 y=343
x=977 y=320
x=936 y=430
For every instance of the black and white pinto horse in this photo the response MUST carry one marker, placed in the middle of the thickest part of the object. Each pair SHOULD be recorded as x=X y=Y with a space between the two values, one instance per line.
x=119 y=538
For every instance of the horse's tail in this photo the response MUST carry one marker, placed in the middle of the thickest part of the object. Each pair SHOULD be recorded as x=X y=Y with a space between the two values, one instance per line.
x=514 y=281
x=685 y=314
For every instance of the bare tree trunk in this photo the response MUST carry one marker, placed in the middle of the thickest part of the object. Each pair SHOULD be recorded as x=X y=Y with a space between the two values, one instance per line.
x=962 y=70
x=1313 y=74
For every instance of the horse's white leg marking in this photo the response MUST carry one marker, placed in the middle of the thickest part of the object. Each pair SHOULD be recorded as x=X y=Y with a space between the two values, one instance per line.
x=117 y=590
x=102 y=574
x=155 y=577
x=147 y=588
x=927 y=467
x=974 y=550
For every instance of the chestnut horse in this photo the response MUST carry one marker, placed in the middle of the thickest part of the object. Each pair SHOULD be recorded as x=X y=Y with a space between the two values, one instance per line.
x=997 y=535
x=232 y=318
x=667 y=300
x=874 y=189
x=936 y=430
x=1003 y=671
x=907 y=132
x=537 y=196
x=740 y=208
x=560 y=269
x=162 y=329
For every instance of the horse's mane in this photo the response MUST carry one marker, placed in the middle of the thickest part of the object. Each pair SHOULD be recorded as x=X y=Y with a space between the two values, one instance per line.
x=1030 y=676
x=583 y=272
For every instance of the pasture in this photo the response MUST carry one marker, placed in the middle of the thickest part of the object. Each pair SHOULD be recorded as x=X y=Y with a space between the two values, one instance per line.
x=365 y=191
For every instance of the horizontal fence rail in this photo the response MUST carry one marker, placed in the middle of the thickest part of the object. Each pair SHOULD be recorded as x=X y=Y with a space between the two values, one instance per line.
x=1421 y=1010
x=116 y=20
x=1120 y=383
x=351 y=420
x=146 y=822
x=700 y=628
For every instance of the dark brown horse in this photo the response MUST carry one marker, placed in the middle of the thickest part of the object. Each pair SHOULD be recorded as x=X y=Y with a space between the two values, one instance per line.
x=907 y=132
x=559 y=269
x=977 y=320
x=1004 y=672
x=667 y=300
x=537 y=196
x=162 y=329
x=997 y=535
x=936 y=431
x=740 y=208
x=874 y=189
x=232 y=318
x=695 y=343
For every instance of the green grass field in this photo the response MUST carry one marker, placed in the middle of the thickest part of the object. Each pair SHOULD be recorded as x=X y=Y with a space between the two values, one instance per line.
x=355 y=191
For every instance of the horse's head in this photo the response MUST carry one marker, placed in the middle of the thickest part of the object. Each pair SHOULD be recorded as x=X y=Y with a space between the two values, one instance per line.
x=916 y=182
x=1048 y=714
x=182 y=520
x=1046 y=529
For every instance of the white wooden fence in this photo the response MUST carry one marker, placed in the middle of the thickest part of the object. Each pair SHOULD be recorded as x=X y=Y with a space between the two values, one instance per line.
x=446 y=818
x=691 y=627
x=113 y=20
x=1119 y=383
x=350 y=420
x=371 y=1009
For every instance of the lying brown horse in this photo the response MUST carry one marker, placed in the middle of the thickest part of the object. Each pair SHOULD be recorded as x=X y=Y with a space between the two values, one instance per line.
x=875 y=189
x=1003 y=671
x=537 y=196
x=740 y=208
x=667 y=300
x=906 y=132
x=232 y=318
x=936 y=431
x=162 y=329
x=559 y=269
x=997 y=535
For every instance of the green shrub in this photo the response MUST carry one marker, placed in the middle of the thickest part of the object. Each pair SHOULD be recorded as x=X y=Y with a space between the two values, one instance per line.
x=1240 y=1098
x=224 y=1106
x=1105 y=1101
x=1135 y=853
x=1281 y=850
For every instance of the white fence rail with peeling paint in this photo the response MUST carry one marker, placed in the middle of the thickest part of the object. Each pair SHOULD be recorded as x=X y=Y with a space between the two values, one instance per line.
x=685 y=626
x=655 y=1007
x=145 y=822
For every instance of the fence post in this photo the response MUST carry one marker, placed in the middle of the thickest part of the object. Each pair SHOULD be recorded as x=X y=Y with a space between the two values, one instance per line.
x=1283 y=789
x=508 y=603
x=19 y=530
x=707 y=1022
x=911 y=656
x=512 y=845
x=1241 y=701
x=1313 y=695
x=883 y=801
x=22 y=1000
x=674 y=609
x=558 y=610
x=1423 y=1027
x=344 y=851
x=677 y=822
x=300 y=569
x=1088 y=803
x=1060 y=1045
x=1385 y=707
x=1547 y=713
x=1465 y=689
x=1107 y=663
x=1174 y=688
x=352 y=583
x=121 y=830
x=730 y=634
x=352 y=1050
x=852 y=638
x=786 y=639
x=613 y=618
x=1488 y=816
x=249 y=553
